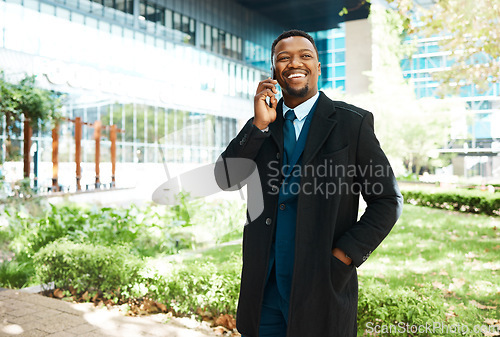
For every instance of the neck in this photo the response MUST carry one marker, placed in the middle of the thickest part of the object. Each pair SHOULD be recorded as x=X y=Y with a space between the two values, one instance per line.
x=293 y=101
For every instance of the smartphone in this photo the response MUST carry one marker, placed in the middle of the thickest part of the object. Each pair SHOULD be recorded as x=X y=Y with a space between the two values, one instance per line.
x=273 y=76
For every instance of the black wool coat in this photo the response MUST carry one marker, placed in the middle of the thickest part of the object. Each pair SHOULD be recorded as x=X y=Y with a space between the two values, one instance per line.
x=341 y=160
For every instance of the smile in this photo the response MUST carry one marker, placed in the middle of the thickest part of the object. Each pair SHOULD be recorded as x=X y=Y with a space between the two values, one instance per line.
x=296 y=75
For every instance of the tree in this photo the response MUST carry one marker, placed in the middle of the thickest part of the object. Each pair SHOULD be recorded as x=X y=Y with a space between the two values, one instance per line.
x=470 y=31
x=38 y=106
x=410 y=130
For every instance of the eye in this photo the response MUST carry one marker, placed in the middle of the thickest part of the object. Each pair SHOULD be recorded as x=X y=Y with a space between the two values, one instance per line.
x=283 y=58
x=307 y=56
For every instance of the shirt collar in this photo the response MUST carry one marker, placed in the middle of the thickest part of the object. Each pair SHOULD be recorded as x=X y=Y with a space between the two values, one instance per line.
x=302 y=110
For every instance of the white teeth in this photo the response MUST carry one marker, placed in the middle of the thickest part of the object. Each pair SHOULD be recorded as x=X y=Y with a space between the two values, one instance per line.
x=296 y=75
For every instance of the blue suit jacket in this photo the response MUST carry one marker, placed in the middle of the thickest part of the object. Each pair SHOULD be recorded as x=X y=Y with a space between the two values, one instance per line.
x=283 y=248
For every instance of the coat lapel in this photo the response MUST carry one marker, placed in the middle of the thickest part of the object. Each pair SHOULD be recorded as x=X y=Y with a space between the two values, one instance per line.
x=276 y=127
x=322 y=124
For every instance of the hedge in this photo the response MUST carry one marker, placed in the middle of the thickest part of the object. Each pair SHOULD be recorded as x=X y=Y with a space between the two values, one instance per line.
x=456 y=200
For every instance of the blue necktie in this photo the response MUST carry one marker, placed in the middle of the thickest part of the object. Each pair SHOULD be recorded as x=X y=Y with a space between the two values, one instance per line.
x=289 y=139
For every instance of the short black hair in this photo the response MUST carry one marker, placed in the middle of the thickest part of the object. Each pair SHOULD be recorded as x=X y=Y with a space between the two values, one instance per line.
x=289 y=33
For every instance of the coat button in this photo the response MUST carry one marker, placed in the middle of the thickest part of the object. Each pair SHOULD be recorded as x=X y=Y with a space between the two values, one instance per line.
x=278 y=155
x=269 y=221
x=274 y=188
x=282 y=207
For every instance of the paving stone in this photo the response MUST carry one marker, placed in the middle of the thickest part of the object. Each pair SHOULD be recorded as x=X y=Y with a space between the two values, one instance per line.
x=34 y=333
x=6 y=318
x=35 y=315
x=7 y=329
x=22 y=319
x=96 y=333
x=68 y=319
x=81 y=329
x=46 y=313
x=52 y=328
x=62 y=334
x=31 y=325
x=22 y=312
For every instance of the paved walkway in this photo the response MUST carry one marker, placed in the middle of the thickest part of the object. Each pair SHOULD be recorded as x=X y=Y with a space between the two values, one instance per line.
x=25 y=314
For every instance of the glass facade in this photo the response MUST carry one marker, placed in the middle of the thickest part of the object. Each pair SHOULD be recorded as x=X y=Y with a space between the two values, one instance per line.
x=429 y=59
x=176 y=80
x=331 y=50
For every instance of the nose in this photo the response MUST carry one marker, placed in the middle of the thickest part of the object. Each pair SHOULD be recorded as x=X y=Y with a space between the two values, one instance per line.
x=295 y=61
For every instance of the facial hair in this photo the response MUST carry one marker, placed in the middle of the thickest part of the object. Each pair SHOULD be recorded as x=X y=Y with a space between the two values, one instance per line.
x=302 y=92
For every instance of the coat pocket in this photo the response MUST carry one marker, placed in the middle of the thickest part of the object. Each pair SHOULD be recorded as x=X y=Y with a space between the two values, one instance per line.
x=335 y=154
x=340 y=273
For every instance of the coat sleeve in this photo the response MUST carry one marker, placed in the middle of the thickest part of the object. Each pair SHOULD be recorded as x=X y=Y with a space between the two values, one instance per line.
x=380 y=191
x=236 y=163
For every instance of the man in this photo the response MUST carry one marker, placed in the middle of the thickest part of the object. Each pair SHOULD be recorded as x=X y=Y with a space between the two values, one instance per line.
x=314 y=157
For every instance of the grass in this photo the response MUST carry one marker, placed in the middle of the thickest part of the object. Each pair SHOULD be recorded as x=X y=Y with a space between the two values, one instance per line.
x=455 y=253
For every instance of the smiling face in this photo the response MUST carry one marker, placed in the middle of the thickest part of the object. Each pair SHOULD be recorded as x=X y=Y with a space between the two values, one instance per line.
x=297 y=69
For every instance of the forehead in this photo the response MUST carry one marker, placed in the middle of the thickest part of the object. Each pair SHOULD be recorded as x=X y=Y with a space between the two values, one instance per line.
x=293 y=44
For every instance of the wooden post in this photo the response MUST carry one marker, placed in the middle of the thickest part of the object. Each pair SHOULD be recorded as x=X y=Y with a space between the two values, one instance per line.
x=112 y=137
x=55 y=162
x=78 y=151
x=27 y=146
x=97 y=138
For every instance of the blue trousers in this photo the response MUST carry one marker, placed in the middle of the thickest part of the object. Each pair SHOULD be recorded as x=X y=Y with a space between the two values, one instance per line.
x=274 y=314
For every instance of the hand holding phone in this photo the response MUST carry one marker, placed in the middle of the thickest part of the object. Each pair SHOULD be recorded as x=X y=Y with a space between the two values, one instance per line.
x=265 y=112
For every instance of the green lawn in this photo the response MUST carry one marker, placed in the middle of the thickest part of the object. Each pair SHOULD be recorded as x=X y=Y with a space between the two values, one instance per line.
x=456 y=254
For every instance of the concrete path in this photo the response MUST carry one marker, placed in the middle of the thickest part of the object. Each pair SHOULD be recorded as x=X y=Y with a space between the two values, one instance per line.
x=25 y=314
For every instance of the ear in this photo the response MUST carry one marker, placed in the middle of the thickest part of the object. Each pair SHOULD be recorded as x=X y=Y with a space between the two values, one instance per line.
x=319 y=68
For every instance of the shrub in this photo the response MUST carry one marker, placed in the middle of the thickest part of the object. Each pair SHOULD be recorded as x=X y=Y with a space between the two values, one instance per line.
x=86 y=266
x=149 y=231
x=381 y=305
x=193 y=286
x=15 y=274
x=458 y=200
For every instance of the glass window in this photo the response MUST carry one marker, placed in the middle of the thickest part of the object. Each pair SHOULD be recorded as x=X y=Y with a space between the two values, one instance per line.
x=226 y=47
x=321 y=45
x=340 y=57
x=340 y=43
x=177 y=21
x=78 y=18
x=421 y=63
x=32 y=4
x=234 y=47
x=339 y=71
x=49 y=9
x=185 y=24
x=63 y=13
x=240 y=52
x=168 y=18
x=104 y=26
x=215 y=37
x=91 y=22
x=340 y=84
x=201 y=35
x=434 y=62
x=326 y=72
x=116 y=30
x=325 y=58
x=109 y=3
x=405 y=64
x=432 y=48
x=208 y=37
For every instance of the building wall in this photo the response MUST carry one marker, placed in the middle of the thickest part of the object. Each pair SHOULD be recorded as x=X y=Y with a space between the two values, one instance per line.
x=358 y=42
x=177 y=93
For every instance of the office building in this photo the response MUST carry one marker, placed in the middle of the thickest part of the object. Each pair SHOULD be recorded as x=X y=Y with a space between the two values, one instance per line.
x=174 y=75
